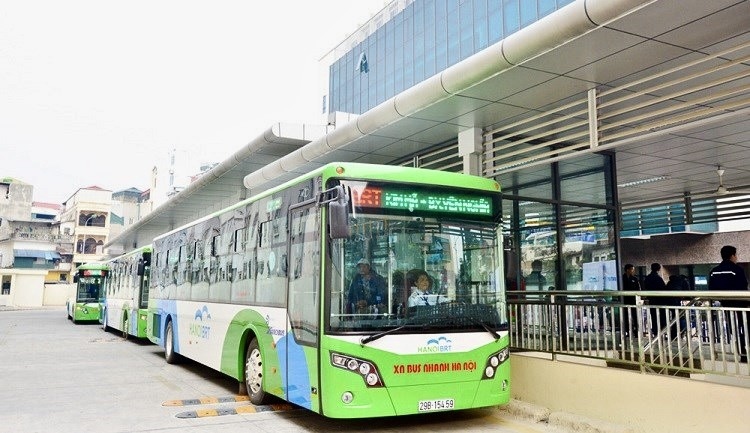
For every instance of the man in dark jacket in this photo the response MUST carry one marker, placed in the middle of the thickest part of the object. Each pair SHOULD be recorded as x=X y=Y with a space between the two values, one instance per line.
x=730 y=276
x=653 y=281
x=630 y=283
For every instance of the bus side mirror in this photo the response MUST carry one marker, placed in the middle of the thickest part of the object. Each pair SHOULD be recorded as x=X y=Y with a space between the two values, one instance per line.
x=75 y=278
x=141 y=268
x=338 y=214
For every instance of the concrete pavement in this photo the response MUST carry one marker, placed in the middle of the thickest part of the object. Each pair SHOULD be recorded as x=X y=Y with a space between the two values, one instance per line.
x=59 y=377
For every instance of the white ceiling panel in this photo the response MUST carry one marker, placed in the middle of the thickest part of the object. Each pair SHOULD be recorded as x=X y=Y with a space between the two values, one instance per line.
x=628 y=61
x=662 y=16
x=405 y=147
x=585 y=50
x=491 y=116
x=708 y=30
x=548 y=92
x=438 y=133
x=506 y=83
x=443 y=112
x=405 y=127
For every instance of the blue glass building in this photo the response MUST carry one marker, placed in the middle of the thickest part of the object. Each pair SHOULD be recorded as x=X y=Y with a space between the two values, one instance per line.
x=422 y=38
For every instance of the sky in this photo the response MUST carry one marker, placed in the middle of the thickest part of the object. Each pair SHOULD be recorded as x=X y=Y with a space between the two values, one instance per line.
x=99 y=92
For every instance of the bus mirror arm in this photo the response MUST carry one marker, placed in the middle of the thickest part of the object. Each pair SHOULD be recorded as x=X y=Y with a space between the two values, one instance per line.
x=338 y=211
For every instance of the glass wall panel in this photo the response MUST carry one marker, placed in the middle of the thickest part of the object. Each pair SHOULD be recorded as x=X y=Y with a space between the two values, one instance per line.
x=511 y=247
x=466 y=23
x=528 y=12
x=480 y=25
x=583 y=179
x=453 y=33
x=535 y=182
x=552 y=244
x=494 y=21
x=538 y=239
x=398 y=58
x=546 y=7
x=510 y=16
x=588 y=250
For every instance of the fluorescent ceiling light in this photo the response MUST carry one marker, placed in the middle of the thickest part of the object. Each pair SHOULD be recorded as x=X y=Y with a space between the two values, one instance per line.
x=642 y=181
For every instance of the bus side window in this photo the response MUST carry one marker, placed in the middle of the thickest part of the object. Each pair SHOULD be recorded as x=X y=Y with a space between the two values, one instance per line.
x=264 y=232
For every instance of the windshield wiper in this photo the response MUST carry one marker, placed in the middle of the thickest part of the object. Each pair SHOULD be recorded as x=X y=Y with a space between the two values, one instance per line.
x=373 y=337
x=487 y=328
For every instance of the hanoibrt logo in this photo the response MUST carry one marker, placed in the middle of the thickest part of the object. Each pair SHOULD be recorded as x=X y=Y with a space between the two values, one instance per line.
x=274 y=331
x=199 y=328
x=436 y=345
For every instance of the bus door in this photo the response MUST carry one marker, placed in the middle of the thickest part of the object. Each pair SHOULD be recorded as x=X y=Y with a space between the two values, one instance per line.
x=303 y=306
x=144 y=274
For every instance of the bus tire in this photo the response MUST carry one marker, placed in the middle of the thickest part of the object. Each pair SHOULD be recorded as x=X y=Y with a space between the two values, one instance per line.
x=169 y=354
x=125 y=326
x=254 y=374
x=105 y=327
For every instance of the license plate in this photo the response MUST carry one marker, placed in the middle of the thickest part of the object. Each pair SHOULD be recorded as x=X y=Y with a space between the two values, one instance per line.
x=438 y=404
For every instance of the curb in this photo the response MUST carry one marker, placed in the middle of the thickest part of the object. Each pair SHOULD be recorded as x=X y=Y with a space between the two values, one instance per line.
x=563 y=420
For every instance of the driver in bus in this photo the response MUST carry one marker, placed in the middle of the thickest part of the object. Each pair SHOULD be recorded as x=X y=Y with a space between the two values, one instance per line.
x=367 y=290
x=421 y=290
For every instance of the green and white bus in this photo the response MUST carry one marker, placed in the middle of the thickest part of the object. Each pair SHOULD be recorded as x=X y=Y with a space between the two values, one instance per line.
x=89 y=280
x=125 y=303
x=261 y=292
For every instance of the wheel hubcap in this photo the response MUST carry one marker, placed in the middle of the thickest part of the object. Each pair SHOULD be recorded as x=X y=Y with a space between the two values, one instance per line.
x=254 y=371
x=168 y=347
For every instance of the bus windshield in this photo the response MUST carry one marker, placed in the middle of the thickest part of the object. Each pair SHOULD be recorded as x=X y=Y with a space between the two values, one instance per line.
x=415 y=273
x=89 y=289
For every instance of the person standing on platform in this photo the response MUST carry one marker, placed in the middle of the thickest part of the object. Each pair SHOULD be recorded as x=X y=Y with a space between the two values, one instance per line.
x=535 y=280
x=630 y=315
x=654 y=282
x=728 y=275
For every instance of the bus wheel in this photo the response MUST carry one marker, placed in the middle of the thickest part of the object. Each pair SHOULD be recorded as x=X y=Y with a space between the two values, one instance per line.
x=125 y=326
x=254 y=374
x=104 y=322
x=169 y=353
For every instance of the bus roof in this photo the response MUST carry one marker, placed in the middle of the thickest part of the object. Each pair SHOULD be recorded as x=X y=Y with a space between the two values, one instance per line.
x=144 y=249
x=93 y=266
x=356 y=170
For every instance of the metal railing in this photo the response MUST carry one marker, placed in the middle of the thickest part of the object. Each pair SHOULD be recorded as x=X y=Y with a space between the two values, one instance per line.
x=698 y=336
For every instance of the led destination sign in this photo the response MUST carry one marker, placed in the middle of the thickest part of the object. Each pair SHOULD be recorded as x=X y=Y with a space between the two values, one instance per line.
x=374 y=197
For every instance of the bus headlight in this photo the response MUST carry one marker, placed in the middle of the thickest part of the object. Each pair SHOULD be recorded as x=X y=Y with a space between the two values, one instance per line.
x=353 y=364
x=494 y=361
x=365 y=369
x=372 y=379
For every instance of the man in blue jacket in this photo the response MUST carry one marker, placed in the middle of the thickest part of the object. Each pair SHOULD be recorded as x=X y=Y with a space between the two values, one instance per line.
x=367 y=290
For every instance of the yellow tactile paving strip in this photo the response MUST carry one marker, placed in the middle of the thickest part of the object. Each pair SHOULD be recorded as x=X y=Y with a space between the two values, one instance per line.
x=221 y=411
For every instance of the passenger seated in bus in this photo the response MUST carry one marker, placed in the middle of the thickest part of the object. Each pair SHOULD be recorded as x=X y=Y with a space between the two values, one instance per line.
x=400 y=292
x=421 y=290
x=367 y=291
